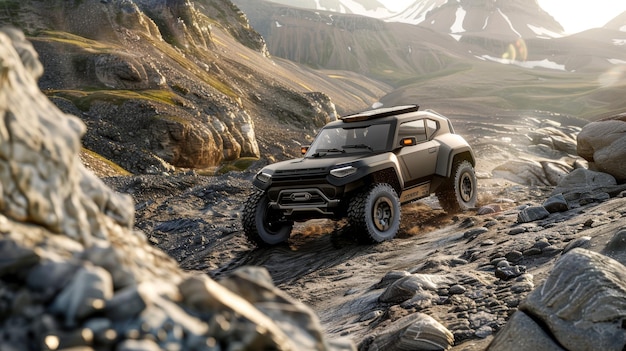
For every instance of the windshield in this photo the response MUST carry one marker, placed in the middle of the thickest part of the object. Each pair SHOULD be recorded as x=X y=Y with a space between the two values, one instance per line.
x=349 y=140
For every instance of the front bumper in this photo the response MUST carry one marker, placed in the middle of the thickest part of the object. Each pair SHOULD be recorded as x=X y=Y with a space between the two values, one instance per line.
x=304 y=200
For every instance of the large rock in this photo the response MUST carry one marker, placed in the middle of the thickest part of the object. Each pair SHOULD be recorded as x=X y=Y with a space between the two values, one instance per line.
x=75 y=275
x=531 y=172
x=585 y=186
x=43 y=181
x=604 y=144
x=417 y=331
x=580 y=305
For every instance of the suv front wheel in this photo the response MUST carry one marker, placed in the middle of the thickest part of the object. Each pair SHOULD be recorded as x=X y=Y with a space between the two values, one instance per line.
x=263 y=225
x=374 y=214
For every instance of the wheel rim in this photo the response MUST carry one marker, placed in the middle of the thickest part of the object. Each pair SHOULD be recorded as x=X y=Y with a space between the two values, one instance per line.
x=383 y=214
x=466 y=187
x=271 y=221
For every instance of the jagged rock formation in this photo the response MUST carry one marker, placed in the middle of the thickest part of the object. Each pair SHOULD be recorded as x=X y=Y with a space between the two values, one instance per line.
x=76 y=275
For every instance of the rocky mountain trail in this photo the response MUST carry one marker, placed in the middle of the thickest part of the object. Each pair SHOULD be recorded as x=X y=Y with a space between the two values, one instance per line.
x=159 y=261
x=467 y=271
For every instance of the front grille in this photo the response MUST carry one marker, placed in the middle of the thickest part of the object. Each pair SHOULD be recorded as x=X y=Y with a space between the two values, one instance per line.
x=300 y=174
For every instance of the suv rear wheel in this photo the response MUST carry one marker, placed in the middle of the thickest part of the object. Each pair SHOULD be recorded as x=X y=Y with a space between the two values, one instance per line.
x=374 y=214
x=459 y=193
x=263 y=225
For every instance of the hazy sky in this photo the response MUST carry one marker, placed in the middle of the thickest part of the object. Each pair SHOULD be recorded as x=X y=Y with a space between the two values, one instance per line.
x=573 y=15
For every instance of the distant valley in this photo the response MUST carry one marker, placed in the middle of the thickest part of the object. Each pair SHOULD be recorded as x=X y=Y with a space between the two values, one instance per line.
x=476 y=55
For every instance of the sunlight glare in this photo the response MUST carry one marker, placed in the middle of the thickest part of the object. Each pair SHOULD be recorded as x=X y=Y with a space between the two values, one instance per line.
x=613 y=76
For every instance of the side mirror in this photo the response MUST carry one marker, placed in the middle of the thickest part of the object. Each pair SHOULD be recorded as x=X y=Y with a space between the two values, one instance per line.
x=304 y=149
x=409 y=141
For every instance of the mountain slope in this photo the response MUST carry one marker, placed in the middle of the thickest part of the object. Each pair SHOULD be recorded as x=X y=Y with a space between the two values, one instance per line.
x=349 y=42
x=618 y=23
x=167 y=85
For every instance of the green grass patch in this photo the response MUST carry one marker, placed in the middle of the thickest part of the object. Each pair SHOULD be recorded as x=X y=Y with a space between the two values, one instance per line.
x=190 y=66
x=238 y=165
x=99 y=47
x=112 y=165
x=83 y=99
x=88 y=45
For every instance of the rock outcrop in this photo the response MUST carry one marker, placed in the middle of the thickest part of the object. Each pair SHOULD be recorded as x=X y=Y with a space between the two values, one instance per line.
x=75 y=274
x=167 y=86
x=603 y=144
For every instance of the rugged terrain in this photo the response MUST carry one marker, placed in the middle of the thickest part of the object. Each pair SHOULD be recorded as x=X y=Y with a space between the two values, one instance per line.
x=521 y=157
x=149 y=80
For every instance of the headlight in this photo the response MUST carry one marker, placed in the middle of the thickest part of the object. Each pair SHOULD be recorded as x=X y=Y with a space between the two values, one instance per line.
x=263 y=177
x=343 y=171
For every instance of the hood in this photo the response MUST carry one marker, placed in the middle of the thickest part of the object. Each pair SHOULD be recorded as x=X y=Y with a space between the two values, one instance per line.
x=314 y=164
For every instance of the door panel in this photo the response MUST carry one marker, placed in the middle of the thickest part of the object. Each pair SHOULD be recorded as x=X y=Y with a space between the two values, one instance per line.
x=418 y=161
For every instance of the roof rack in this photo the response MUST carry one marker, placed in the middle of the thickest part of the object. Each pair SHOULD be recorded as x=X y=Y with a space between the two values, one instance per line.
x=379 y=113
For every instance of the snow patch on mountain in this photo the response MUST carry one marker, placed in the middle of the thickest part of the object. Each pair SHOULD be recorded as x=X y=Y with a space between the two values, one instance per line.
x=359 y=7
x=416 y=13
x=457 y=27
x=508 y=21
x=545 y=63
x=544 y=33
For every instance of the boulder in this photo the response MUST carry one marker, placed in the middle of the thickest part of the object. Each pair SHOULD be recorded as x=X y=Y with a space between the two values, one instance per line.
x=585 y=186
x=604 y=144
x=616 y=247
x=532 y=213
x=531 y=172
x=556 y=203
x=415 y=332
x=580 y=304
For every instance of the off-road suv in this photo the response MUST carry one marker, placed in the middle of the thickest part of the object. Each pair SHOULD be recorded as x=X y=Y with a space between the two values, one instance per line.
x=363 y=167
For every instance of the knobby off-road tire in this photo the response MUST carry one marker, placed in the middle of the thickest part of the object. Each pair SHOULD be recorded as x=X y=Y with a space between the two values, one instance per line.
x=261 y=224
x=460 y=191
x=374 y=214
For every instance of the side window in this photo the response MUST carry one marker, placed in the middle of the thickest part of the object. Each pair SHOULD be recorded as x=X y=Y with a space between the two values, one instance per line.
x=431 y=127
x=413 y=129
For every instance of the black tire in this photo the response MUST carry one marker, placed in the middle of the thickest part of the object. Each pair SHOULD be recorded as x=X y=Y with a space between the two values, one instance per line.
x=459 y=193
x=374 y=214
x=261 y=224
